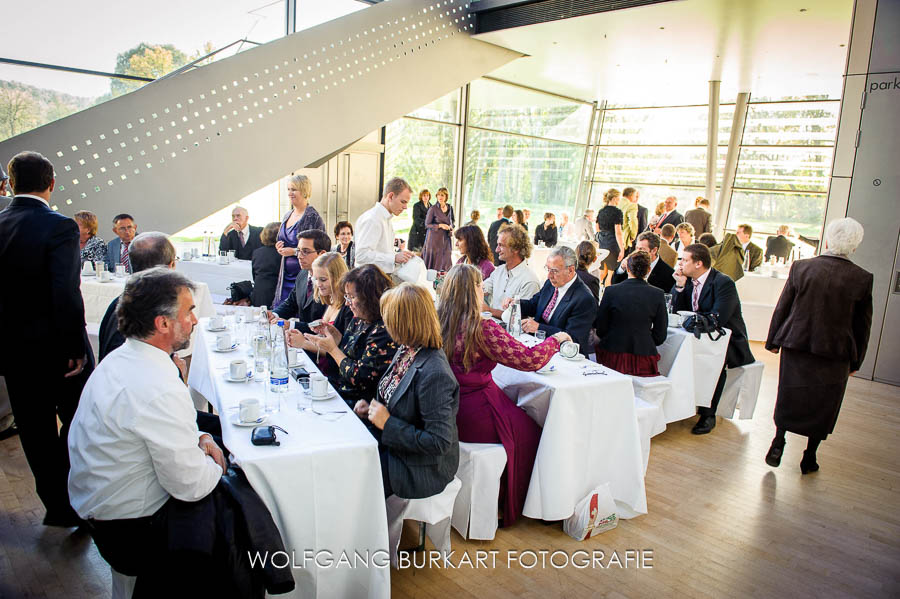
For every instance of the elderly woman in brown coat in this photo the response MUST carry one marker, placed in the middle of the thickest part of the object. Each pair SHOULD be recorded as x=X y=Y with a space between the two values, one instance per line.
x=821 y=327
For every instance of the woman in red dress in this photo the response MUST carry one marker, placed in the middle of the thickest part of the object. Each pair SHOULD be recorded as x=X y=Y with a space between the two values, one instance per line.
x=474 y=347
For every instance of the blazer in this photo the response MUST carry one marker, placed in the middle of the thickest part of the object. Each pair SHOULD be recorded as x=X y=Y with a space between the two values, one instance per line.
x=810 y=316
x=642 y=219
x=700 y=219
x=660 y=276
x=719 y=296
x=493 y=234
x=629 y=222
x=233 y=242
x=266 y=263
x=41 y=261
x=728 y=257
x=779 y=246
x=350 y=257
x=420 y=436
x=548 y=236
x=417 y=231
x=756 y=255
x=299 y=306
x=110 y=338
x=113 y=250
x=674 y=218
x=668 y=255
x=592 y=282
x=574 y=314
x=632 y=318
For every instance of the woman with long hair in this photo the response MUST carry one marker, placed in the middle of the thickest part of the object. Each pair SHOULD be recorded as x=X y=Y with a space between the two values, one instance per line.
x=474 y=249
x=474 y=347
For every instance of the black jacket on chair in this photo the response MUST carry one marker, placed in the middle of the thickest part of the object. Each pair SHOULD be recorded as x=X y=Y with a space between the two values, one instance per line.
x=632 y=318
x=266 y=262
x=778 y=246
x=660 y=277
x=720 y=296
x=298 y=305
x=574 y=314
x=420 y=436
x=233 y=242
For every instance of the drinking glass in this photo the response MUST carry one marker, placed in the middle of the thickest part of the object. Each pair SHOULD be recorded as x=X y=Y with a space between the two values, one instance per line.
x=540 y=335
x=668 y=302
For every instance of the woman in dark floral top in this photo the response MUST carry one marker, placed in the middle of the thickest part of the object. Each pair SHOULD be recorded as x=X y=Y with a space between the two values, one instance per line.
x=93 y=249
x=362 y=351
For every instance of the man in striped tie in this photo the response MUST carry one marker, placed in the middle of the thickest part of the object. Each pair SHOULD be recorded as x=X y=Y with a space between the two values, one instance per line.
x=117 y=252
x=564 y=303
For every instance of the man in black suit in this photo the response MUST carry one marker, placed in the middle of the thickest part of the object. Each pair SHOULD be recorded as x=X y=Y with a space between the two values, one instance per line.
x=240 y=236
x=700 y=288
x=670 y=216
x=563 y=304
x=643 y=213
x=779 y=246
x=46 y=359
x=494 y=231
x=311 y=244
x=660 y=273
x=147 y=250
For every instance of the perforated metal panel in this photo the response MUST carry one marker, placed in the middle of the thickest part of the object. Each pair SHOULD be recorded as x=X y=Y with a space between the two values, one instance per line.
x=181 y=148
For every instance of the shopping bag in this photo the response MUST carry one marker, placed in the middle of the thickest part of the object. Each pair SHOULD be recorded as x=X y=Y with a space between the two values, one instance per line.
x=594 y=514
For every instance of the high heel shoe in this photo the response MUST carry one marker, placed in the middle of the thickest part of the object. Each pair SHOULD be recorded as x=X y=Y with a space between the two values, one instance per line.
x=773 y=458
x=808 y=463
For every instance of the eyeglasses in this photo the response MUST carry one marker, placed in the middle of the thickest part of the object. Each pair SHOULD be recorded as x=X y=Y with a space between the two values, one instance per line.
x=349 y=298
x=556 y=271
x=307 y=251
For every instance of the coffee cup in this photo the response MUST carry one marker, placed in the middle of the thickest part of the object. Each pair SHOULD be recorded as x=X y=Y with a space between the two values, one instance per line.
x=103 y=276
x=120 y=270
x=318 y=385
x=216 y=322
x=224 y=341
x=249 y=410
x=238 y=369
x=569 y=349
x=292 y=356
x=87 y=267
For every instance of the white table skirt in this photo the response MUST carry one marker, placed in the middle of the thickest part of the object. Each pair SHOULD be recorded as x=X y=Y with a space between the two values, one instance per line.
x=322 y=484
x=590 y=436
x=693 y=366
x=217 y=276
x=759 y=294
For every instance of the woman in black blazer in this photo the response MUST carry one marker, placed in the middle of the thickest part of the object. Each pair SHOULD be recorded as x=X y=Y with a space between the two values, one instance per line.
x=632 y=321
x=586 y=254
x=265 y=263
x=417 y=400
x=546 y=231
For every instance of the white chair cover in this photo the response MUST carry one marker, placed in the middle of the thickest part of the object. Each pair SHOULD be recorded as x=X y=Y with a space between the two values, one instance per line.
x=434 y=511
x=741 y=390
x=475 y=511
x=122 y=585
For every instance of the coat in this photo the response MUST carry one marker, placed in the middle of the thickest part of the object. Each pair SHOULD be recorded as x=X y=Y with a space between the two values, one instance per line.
x=700 y=219
x=574 y=313
x=668 y=255
x=660 y=277
x=233 y=242
x=632 y=318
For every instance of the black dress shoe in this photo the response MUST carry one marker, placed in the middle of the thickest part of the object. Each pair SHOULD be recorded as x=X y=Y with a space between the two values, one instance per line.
x=808 y=463
x=704 y=425
x=773 y=458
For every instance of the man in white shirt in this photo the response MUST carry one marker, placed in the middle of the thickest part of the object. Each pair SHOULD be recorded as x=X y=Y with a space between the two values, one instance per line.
x=584 y=226
x=375 y=233
x=514 y=278
x=134 y=442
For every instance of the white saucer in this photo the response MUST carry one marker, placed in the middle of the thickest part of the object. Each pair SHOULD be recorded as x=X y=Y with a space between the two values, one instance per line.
x=212 y=330
x=296 y=364
x=89 y=273
x=235 y=419
x=331 y=393
x=577 y=358
x=225 y=351
x=228 y=378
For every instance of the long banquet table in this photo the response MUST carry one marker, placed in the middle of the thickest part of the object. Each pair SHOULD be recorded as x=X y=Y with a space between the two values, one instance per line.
x=590 y=436
x=97 y=297
x=322 y=484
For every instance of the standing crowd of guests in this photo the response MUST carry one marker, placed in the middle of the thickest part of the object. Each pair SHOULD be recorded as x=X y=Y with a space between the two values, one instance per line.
x=419 y=376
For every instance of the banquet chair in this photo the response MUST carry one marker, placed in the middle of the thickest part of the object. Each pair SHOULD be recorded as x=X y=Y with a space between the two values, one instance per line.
x=649 y=395
x=475 y=510
x=433 y=513
x=122 y=585
x=741 y=390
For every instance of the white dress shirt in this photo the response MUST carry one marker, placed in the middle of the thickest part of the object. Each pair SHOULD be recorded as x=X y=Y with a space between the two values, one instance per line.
x=503 y=283
x=133 y=441
x=697 y=287
x=375 y=239
x=559 y=297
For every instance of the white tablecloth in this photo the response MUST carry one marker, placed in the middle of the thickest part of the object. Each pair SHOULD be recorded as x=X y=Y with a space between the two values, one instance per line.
x=217 y=276
x=590 y=436
x=322 y=485
x=693 y=366
x=759 y=294
x=97 y=297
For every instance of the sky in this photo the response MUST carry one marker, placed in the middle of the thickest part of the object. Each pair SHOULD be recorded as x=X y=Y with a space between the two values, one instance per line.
x=89 y=34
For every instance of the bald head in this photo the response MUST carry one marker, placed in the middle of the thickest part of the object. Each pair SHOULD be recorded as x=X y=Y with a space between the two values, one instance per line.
x=151 y=249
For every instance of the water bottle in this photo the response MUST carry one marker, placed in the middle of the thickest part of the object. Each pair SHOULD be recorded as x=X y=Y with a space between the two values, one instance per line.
x=278 y=365
x=515 y=318
x=747 y=260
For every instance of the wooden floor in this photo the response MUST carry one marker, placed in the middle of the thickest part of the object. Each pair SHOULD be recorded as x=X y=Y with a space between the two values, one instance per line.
x=721 y=523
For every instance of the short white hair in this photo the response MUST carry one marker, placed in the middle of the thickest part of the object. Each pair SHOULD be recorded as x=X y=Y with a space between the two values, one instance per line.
x=566 y=253
x=239 y=209
x=843 y=236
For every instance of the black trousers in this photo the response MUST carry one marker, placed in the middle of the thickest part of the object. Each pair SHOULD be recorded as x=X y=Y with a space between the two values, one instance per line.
x=717 y=395
x=38 y=397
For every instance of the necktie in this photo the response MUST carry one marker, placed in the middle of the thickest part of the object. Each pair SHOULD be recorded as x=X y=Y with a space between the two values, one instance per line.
x=125 y=259
x=308 y=288
x=695 y=296
x=243 y=241
x=549 y=309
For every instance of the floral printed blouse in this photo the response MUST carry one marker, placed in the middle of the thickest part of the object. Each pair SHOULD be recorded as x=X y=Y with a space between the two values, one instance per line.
x=369 y=350
x=94 y=250
x=392 y=379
